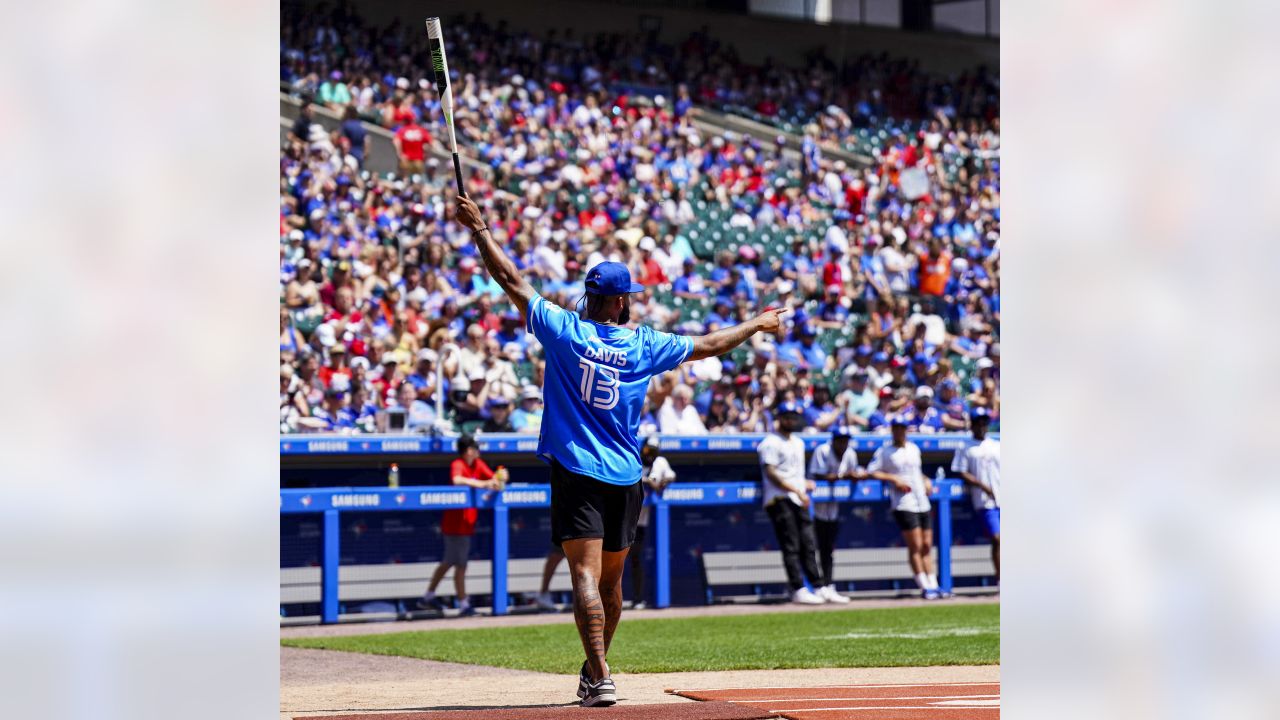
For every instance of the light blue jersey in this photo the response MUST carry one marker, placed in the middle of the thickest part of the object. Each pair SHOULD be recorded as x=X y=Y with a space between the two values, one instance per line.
x=594 y=388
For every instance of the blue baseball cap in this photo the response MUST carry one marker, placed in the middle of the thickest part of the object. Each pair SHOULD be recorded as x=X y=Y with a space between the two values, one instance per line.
x=979 y=413
x=843 y=431
x=898 y=420
x=922 y=358
x=790 y=406
x=611 y=278
x=808 y=330
x=880 y=357
x=864 y=350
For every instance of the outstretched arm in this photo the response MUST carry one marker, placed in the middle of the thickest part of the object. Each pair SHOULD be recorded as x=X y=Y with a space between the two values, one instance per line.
x=499 y=265
x=726 y=339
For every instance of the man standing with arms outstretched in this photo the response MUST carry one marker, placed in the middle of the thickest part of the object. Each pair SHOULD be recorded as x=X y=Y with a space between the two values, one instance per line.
x=597 y=374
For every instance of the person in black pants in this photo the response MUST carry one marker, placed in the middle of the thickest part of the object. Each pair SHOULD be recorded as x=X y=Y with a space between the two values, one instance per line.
x=786 y=499
x=831 y=461
x=656 y=475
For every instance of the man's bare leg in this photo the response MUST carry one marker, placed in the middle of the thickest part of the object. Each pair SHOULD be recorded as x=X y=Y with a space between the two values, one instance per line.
x=584 y=555
x=437 y=576
x=549 y=569
x=612 y=564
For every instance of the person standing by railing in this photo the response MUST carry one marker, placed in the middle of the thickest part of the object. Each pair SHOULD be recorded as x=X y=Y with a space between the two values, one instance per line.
x=786 y=500
x=831 y=461
x=458 y=526
x=656 y=476
x=898 y=463
x=978 y=464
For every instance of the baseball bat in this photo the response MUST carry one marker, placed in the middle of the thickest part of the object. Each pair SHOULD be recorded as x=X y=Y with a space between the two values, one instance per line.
x=440 y=68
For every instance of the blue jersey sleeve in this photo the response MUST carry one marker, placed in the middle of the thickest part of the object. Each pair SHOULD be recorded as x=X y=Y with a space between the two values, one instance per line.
x=547 y=321
x=665 y=351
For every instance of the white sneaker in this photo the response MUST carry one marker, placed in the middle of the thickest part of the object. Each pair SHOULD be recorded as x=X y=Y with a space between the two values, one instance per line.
x=831 y=595
x=805 y=596
x=544 y=602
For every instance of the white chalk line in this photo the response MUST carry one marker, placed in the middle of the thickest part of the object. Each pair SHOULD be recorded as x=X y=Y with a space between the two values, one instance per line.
x=825 y=687
x=913 y=697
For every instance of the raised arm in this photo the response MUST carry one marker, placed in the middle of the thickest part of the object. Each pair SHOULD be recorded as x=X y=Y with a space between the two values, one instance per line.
x=726 y=339
x=500 y=267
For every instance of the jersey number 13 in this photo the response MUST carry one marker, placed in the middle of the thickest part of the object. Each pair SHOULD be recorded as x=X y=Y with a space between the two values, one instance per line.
x=599 y=385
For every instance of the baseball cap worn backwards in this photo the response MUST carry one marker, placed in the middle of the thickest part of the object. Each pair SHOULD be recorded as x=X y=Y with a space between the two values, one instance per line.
x=611 y=278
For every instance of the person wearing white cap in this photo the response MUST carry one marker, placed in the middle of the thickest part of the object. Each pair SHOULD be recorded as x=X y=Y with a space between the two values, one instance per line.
x=923 y=416
x=648 y=270
x=657 y=475
x=326 y=336
x=528 y=417
x=898 y=463
x=423 y=376
x=831 y=461
x=469 y=395
x=978 y=464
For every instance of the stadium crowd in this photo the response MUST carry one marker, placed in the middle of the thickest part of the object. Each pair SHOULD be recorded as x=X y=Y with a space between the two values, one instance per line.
x=388 y=320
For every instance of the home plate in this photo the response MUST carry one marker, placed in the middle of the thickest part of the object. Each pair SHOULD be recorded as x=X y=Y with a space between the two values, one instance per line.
x=969 y=703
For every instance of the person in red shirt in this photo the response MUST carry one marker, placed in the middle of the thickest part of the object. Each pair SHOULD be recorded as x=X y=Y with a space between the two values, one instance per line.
x=833 y=268
x=650 y=271
x=411 y=141
x=337 y=365
x=458 y=526
x=935 y=269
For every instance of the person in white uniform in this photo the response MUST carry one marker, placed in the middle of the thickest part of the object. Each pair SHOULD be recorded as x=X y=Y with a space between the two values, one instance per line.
x=656 y=474
x=978 y=464
x=786 y=500
x=831 y=461
x=898 y=463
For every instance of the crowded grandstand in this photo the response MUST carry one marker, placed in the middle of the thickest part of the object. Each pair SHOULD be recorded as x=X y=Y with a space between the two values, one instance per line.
x=871 y=206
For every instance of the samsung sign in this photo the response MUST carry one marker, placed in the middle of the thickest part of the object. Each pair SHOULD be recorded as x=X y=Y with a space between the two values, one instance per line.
x=682 y=494
x=355 y=500
x=535 y=497
x=444 y=498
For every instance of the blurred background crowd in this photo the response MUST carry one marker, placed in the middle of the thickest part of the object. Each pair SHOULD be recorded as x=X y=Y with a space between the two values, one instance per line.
x=882 y=230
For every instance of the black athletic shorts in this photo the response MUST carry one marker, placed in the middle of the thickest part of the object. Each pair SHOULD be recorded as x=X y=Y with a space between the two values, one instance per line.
x=907 y=520
x=583 y=507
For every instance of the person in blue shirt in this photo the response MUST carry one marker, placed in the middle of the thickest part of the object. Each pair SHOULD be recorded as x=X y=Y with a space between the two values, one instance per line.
x=803 y=351
x=878 y=421
x=831 y=313
x=796 y=262
x=423 y=376
x=334 y=412
x=721 y=314
x=595 y=381
x=951 y=406
x=366 y=413
x=923 y=417
x=528 y=417
x=689 y=285
x=821 y=413
x=922 y=369
x=511 y=332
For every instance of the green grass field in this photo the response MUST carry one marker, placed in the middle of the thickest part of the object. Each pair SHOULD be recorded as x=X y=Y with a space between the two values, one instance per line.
x=933 y=635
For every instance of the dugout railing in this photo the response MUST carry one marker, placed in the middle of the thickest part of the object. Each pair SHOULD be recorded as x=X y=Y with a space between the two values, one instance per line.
x=331 y=502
